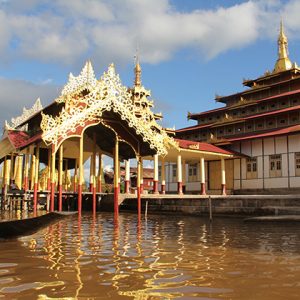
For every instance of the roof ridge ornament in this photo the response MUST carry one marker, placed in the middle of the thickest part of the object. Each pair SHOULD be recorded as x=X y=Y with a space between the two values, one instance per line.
x=77 y=84
x=283 y=62
x=27 y=113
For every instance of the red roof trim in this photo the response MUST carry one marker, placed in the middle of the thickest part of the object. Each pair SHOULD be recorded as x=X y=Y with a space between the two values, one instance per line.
x=187 y=144
x=281 y=131
x=20 y=139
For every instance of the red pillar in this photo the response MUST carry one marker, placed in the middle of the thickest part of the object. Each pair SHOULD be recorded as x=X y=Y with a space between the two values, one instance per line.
x=79 y=198
x=52 y=194
x=179 y=188
x=163 y=189
x=127 y=186
x=155 y=187
x=203 y=189
x=60 y=197
x=94 y=200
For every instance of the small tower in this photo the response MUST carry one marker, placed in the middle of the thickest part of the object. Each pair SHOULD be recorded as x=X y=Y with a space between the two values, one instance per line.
x=283 y=62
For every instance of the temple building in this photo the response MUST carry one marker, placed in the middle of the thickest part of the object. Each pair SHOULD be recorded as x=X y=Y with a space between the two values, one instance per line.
x=261 y=124
x=41 y=149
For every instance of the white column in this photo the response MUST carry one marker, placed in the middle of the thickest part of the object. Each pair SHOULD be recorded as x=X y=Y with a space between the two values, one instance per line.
x=155 y=179
x=223 y=177
x=179 y=174
x=202 y=176
x=163 y=176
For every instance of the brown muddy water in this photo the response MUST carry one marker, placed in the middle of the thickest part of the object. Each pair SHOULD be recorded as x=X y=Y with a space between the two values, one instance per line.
x=163 y=257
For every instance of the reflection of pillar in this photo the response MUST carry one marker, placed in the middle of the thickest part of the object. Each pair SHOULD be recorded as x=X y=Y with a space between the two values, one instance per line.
x=52 y=179
x=36 y=179
x=127 y=176
x=26 y=171
x=141 y=177
x=223 y=177
x=179 y=174
x=163 y=176
x=183 y=176
x=202 y=178
x=80 y=181
x=138 y=184
x=60 y=177
x=155 y=178
x=116 y=179
x=94 y=173
x=100 y=173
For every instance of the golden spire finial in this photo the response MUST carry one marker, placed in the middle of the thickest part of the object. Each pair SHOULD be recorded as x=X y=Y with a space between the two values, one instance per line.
x=137 y=70
x=283 y=62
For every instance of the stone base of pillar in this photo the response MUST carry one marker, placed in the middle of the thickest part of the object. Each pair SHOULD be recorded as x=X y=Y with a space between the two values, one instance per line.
x=52 y=192
x=203 y=189
x=91 y=187
x=223 y=189
x=127 y=187
x=163 y=189
x=155 y=187
x=179 y=188
x=59 y=197
x=79 y=198
x=99 y=187
x=26 y=183
x=116 y=201
x=142 y=189
x=183 y=188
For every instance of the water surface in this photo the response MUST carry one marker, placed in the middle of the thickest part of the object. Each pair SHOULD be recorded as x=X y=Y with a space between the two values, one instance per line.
x=163 y=257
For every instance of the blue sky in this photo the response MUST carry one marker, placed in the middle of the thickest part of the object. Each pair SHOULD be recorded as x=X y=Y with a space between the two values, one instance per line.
x=190 y=50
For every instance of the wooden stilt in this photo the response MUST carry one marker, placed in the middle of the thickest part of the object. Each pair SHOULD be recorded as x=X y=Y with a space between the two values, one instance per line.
x=116 y=179
x=52 y=194
x=60 y=176
x=80 y=181
x=94 y=174
x=139 y=174
x=36 y=179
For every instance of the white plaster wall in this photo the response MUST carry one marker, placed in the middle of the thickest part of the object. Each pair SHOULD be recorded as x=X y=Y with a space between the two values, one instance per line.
x=284 y=166
x=266 y=167
x=235 y=147
x=171 y=187
x=295 y=182
x=269 y=146
x=259 y=167
x=193 y=186
x=236 y=168
x=276 y=183
x=292 y=164
x=253 y=184
x=294 y=143
x=256 y=147
x=244 y=170
x=236 y=184
x=246 y=147
x=280 y=145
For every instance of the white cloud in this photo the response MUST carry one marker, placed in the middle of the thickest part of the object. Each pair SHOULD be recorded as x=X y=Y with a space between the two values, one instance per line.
x=67 y=31
x=12 y=98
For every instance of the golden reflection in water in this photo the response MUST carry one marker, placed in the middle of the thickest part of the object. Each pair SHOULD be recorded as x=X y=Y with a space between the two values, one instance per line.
x=79 y=253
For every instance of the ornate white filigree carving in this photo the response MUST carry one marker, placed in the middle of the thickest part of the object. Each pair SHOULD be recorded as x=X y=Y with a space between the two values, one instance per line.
x=108 y=94
x=27 y=113
x=86 y=80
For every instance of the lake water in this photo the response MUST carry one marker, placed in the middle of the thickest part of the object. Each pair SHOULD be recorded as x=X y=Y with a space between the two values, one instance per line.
x=163 y=257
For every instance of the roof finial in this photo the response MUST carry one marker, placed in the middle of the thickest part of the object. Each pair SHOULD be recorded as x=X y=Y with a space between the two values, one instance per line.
x=283 y=62
x=137 y=69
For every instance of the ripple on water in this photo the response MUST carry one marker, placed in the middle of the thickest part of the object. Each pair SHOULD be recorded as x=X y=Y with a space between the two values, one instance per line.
x=163 y=257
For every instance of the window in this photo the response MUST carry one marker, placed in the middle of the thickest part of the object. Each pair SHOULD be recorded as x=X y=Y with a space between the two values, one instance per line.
x=252 y=168
x=192 y=172
x=282 y=121
x=174 y=173
x=275 y=165
x=297 y=163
